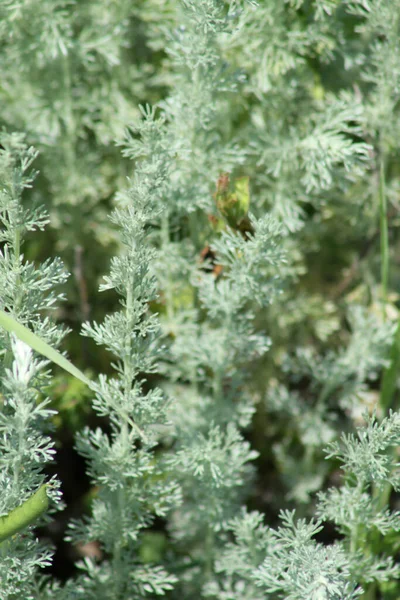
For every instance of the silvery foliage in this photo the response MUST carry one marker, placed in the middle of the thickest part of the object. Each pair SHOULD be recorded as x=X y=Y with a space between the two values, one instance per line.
x=25 y=444
x=307 y=150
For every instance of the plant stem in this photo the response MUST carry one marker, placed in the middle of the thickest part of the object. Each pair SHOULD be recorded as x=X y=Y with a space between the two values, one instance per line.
x=127 y=362
x=384 y=234
x=370 y=593
x=390 y=375
x=69 y=123
x=165 y=239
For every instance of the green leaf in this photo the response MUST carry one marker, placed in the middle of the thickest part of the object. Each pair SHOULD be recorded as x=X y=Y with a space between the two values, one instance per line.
x=243 y=195
x=233 y=206
x=36 y=343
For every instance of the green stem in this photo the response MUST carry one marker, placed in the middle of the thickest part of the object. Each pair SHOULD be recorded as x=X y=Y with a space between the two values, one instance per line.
x=69 y=124
x=370 y=593
x=354 y=540
x=389 y=378
x=219 y=373
x=384 y=234
x=357 y=535
x=127 y=363
x=165 y=239
x=324 y=394
x=118 y=529
x=9 y=357
x=390 y=375
x=17 y=252
x=210 y=537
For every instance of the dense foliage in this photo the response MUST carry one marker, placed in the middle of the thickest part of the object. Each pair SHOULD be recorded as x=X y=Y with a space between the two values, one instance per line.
x=237 y=315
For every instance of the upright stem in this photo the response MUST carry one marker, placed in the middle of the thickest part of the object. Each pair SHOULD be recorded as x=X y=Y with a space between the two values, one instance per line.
x=389 y=377
x=210 y=542
x=384 y=234
x=370 y=594
x=128 y=372
x=9 y=357
x=165 y=239
x=382 y=495
x=69 y=123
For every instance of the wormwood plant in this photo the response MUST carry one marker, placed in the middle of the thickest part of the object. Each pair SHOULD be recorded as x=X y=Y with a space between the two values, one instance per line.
x=72 y=78
x=26 y=446
x=249 y=438
x=134 y=486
